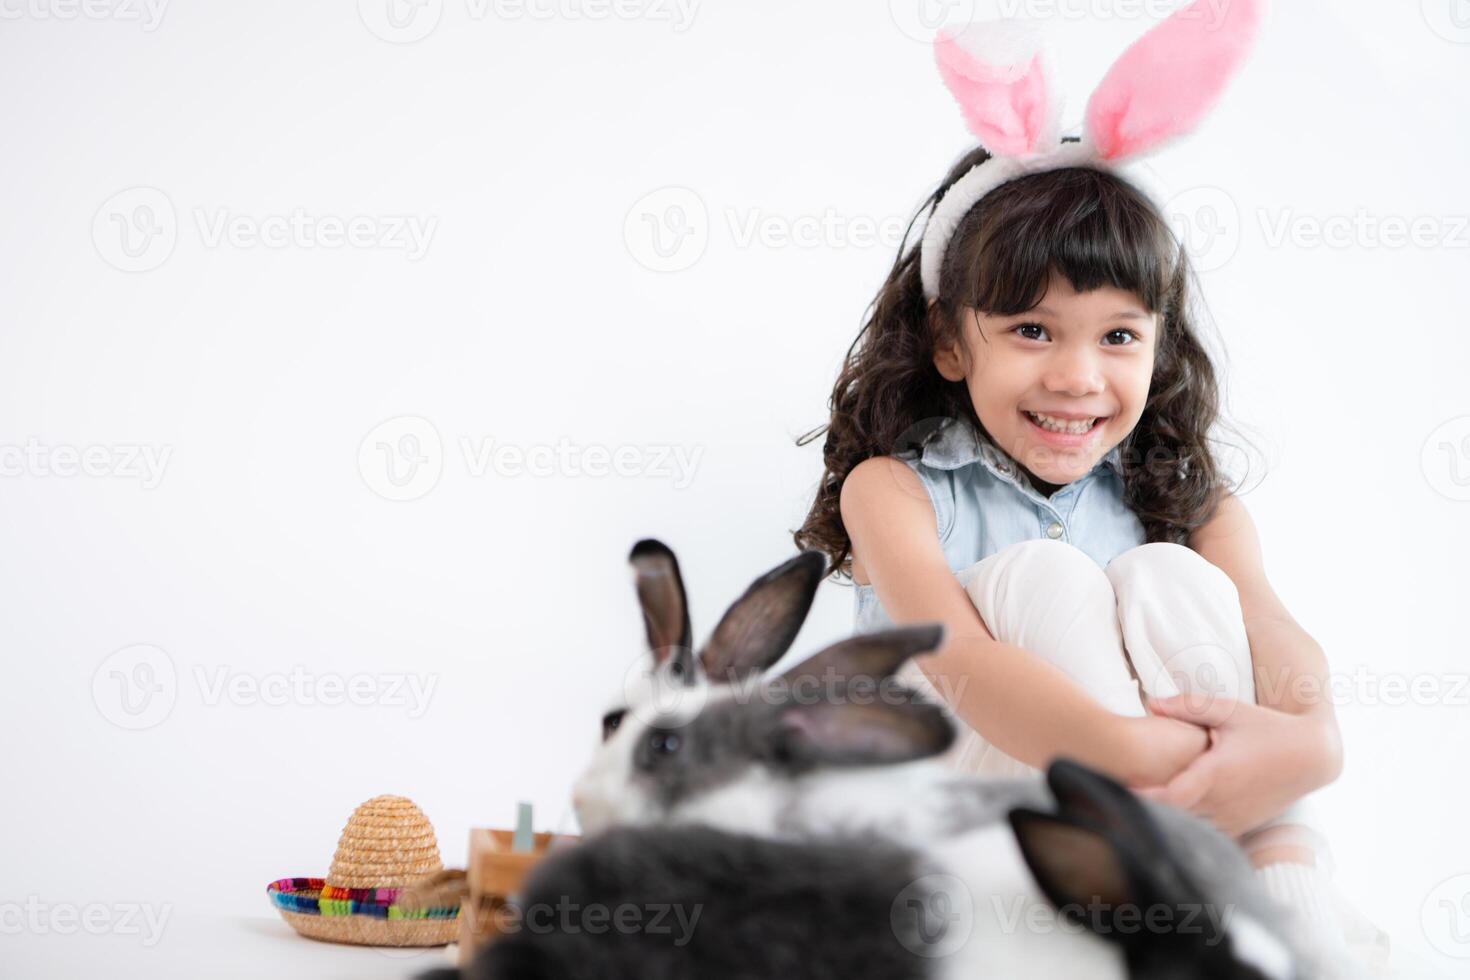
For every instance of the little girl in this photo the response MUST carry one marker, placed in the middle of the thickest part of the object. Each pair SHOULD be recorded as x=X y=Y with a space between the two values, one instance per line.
x=1019 y=447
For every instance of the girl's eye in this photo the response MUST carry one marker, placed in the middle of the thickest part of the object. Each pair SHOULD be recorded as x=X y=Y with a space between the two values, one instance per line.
x=664 y=743
x=611 y=721
x=1021 y=329
x=1035 y=331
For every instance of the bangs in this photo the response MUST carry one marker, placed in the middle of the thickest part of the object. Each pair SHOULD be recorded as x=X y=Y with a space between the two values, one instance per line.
x=1091 y=227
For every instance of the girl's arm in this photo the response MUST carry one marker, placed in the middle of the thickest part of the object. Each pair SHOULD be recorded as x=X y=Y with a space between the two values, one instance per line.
x=1290 y=669
x=1025 y=706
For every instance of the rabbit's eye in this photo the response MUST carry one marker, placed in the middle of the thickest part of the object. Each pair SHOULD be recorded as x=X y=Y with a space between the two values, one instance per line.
x=611 y=721
x=664 y=743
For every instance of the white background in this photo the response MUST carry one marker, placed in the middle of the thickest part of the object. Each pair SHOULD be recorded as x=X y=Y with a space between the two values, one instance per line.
x=528 y=139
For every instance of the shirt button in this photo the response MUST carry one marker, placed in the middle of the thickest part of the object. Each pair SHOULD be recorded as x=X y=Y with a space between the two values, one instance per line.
x=1054 y=530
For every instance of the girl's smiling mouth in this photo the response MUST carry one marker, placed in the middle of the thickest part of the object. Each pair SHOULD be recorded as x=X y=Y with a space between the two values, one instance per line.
x=1067 y=430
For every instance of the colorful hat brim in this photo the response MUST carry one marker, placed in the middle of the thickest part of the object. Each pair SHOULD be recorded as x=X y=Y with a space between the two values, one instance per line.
x=362 y=916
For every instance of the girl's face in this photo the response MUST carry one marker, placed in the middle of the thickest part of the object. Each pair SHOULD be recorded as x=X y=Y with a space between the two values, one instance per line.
x=1084 y=359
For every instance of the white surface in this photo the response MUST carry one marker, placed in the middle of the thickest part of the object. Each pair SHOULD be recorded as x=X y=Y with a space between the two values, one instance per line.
x=541 y=148
x=220 y=947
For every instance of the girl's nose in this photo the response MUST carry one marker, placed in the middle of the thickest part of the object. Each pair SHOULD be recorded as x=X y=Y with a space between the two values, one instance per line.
x=1073 y=372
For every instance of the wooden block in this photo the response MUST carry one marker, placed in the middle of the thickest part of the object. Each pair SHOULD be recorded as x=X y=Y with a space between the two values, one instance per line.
x=494 y=875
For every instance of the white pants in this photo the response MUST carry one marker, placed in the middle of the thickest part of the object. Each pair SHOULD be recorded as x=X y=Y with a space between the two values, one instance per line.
x=1160 y=616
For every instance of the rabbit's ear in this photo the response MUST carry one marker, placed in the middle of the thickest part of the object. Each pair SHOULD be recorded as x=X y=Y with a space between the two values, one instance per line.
x=760 y=625
x=999 y=71
x=875 y=728
x=665 y=607
x=1164 y=83
x=1094 y=797
x=845 y=709
x=1076 y=864
x=1102 y=880
x=868 y=656
x=1089 y=796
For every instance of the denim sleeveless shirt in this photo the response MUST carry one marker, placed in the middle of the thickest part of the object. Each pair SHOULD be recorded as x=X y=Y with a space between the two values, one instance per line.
x=983 y=504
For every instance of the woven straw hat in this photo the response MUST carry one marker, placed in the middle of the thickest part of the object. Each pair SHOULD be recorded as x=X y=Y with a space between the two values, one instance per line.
x=387 y=845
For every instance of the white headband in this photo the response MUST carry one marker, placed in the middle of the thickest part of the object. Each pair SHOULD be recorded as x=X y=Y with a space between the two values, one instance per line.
x=1158 y=89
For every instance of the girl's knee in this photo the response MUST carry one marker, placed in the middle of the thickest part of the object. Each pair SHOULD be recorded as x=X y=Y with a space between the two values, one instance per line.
x=1162 y=566
x=1182 y=622
x=1037 y=578
x=1052 y=566
x=1053 y=601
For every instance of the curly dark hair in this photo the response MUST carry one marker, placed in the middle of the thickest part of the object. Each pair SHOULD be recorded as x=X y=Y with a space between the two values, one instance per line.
x=1093 y=228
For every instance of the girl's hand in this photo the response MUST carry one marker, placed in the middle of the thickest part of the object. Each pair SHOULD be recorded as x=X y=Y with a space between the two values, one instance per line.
x=1163 y=748
x=1257 y=765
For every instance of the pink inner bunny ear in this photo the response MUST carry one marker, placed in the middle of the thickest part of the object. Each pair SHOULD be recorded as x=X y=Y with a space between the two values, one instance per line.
x=998 y=72
x=1169 y=78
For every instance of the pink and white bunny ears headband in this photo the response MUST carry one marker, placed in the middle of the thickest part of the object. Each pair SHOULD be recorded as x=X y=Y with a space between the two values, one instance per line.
x=1159 y=88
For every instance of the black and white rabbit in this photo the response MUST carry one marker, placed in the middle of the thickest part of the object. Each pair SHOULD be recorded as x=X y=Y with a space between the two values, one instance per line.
x=710 y=732
x=830 y=747
x=832 y=744
x=692 y=901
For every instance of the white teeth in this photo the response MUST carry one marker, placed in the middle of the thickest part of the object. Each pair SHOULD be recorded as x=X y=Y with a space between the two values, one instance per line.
x=1062 y=425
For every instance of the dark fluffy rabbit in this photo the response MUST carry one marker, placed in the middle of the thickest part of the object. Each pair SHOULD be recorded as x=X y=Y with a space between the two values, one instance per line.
x=697 y=902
